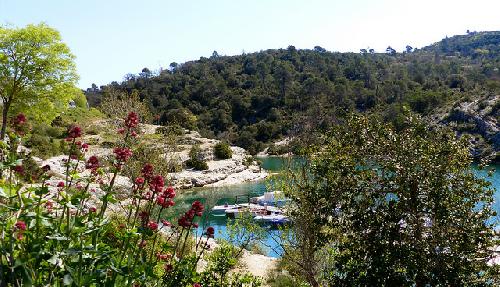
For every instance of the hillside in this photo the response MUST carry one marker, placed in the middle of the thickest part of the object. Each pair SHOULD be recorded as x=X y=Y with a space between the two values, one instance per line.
x=252 y=100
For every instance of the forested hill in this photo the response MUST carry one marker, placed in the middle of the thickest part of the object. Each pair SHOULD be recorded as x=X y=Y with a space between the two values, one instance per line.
x=254 y=99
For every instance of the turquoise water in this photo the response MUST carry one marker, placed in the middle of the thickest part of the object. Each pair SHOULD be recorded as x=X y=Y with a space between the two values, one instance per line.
x=221 y=195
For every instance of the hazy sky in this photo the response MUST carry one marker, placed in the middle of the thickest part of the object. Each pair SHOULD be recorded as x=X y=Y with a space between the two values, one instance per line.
x=113 y=38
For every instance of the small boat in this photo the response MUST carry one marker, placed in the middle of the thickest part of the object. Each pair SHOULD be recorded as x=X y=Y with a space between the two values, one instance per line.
x=272 y=219
x=221 y=209
x=273 y=198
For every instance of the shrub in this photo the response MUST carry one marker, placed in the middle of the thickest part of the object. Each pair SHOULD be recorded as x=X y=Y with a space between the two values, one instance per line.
x=222 y=150
x=196 y=159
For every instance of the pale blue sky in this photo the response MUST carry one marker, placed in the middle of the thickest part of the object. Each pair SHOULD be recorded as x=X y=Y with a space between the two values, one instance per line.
x=113 y=38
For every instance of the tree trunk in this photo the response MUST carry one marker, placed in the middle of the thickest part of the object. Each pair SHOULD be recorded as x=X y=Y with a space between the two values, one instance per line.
x=5 y=112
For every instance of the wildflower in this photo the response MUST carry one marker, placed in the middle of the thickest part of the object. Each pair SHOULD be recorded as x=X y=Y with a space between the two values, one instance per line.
x=92 y=209
x=122 y=154
x=153 y=225
x=132 y=120
x=197 y=207
x=196 y=285
x=160 y=256
x=20 y=225
x=157 y=183
x=46 y=168
x=49 y=205
x=92 y=163
x=139 y=181
x=168 y=267
x=74 y=132
x=147 y=171
x=133 y=134
x=169 y=192
x=60 y=184
x=85 y=146
x=19 y=120
x=19 y=169
x=121 y=131
x=144 y=215
x=210 y=232
x=166 y=223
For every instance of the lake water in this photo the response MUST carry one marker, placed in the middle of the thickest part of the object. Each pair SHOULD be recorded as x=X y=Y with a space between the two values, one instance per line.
x=221 y=195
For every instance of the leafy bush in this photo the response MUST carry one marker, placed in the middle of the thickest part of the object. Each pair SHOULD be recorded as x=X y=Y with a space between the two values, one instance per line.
x=222 y=150
x=196 y=160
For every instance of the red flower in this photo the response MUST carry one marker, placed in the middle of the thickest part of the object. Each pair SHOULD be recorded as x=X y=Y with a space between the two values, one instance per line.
x=74 y=132
x=121 y=131
x=153 y=225
x=198 y=208
x=196 y=285
x=122 y=154
x=21 y=225
x=144 y=215
x=163 y=257
x=92 y=209
x=168 y=267
x=19 y=169
x=166 y=222
x=132 y=120
x=46 y=168
x=157 y=183
x=147 y=171
x=60 y=184
x=139 y=181
x=92 y=163
x=210 y=232
x=169 y=192
x=85 y=146
x=20 y=119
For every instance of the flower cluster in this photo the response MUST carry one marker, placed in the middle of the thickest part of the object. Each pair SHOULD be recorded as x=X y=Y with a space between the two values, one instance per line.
x=92 y=164
x=20 y=226
x=131 y=124
x=122 y=154
x=186 y=221
x=164 y=199
x=19 y=124
x=74 y=132
x=147 y=171
x=210 y=232
x=132 y=120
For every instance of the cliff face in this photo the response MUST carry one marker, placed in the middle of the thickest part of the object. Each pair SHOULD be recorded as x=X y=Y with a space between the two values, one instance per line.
x=480 y=118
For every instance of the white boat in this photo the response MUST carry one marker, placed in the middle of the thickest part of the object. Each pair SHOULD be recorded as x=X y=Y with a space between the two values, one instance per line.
x=221 y=209
x=272 y=219
x=273 y=198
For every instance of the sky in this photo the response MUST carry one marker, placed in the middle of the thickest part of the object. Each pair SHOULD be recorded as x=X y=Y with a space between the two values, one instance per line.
x=111 y=38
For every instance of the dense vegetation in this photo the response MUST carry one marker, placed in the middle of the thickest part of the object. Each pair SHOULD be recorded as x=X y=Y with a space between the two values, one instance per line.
x=253 y=99
x=373 y=206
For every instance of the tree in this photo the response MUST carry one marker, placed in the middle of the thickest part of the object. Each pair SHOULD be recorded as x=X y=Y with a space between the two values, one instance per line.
x=389 y=50
x=37 y=72
x=380 y=207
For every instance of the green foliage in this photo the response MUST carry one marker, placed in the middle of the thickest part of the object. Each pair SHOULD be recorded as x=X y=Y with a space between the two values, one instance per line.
x=38 y=71
x=222 y=260
x=77 y=115
x=222 y=150
x=380 y=207
x=80 y=100
x=196 y=159
x=254 y=99
x=117 y=104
